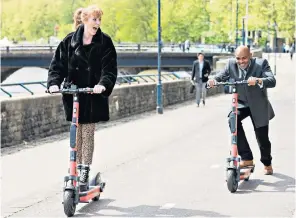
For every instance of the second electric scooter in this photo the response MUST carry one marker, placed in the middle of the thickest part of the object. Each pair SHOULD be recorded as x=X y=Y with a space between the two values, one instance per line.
x=234 y=173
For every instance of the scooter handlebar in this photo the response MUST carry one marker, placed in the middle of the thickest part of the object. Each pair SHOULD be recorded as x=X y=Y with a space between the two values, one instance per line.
x=73 y=91
x=229 y=83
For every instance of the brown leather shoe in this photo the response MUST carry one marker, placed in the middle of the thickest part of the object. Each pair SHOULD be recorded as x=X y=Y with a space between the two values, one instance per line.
x=246 y=163
x=268 y=170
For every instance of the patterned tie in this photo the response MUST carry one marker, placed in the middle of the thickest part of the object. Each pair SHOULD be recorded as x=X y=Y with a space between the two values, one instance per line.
x=244 y=73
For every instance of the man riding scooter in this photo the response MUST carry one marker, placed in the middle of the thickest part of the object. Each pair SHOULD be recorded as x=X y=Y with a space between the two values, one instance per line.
x=253 y=102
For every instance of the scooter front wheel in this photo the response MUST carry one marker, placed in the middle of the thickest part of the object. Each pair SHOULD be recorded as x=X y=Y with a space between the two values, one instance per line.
x=69 y=203
x=232 y=183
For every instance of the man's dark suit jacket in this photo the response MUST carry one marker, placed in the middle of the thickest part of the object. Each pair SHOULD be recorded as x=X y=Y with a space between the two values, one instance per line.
x=255 y=96
x=206 y=70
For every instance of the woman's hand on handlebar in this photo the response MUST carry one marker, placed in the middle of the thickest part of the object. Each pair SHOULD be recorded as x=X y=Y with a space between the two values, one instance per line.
x=53 y=88
x=99 y=89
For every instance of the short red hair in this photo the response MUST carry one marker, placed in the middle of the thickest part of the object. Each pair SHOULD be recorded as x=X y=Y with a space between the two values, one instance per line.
x=82 y=14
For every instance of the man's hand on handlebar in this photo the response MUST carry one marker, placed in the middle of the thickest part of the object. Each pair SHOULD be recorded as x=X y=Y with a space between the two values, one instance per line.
x=53 y=88
x=253 y=81
x=211 y=83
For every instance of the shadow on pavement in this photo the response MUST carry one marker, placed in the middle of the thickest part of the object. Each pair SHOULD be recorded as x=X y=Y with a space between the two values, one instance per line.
x=93 y=210
x=285 y=184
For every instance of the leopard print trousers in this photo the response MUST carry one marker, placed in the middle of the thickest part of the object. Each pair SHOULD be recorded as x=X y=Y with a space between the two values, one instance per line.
x=85 y=143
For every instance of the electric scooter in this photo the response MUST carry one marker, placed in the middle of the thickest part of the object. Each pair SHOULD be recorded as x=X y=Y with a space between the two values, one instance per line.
x=72 y=194
x=234 y=174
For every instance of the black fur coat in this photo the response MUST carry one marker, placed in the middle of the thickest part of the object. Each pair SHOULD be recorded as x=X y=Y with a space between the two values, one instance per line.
x=73 y=64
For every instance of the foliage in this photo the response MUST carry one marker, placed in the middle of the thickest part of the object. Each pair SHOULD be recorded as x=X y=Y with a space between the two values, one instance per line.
x=136 y=20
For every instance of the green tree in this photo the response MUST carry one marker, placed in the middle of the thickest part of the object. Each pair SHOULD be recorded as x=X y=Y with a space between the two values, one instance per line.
x=136 y=20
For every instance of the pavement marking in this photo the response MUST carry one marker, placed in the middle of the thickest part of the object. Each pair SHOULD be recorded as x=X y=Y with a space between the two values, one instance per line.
x=167 y=206
x=215 y=166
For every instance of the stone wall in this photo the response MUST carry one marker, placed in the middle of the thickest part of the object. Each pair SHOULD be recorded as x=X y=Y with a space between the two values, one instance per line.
x=32 y=117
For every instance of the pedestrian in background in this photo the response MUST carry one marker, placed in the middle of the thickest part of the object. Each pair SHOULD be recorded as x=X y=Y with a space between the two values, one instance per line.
x=200 y=74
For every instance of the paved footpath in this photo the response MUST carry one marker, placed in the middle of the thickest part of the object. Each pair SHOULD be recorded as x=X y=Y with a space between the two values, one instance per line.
x=164 y=165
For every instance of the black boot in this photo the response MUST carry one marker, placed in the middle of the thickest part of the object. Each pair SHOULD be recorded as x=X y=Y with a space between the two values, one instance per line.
x=84 y=178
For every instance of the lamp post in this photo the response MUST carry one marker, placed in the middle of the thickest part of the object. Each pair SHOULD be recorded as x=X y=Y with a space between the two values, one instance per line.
x=246 y=27
x=268 y=39
x=295 y=27
x=236 y=32
x=159 y=107
x=275 y=45
x=243 y=32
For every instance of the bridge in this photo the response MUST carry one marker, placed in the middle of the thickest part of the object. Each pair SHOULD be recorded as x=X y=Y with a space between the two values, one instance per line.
x=130 y=60
x=125 y=59
x=18 y=58
x=162 y=165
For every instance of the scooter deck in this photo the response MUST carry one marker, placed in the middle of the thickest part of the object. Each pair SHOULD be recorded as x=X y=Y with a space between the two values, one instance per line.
x=246 y=168
x=246 y=172
x=92 y=192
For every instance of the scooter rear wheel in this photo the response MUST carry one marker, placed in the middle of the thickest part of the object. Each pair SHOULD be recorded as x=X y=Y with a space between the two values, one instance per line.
x=69 y=203
x=232 y=183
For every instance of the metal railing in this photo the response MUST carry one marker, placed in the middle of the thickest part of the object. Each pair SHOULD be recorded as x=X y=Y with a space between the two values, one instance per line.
x=119 y=47
x=23 y=85
x=51 y=48
x=132 y=79
x=121 y=80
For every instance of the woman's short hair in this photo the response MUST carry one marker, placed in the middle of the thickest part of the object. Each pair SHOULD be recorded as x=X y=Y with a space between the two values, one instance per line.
x=81 y=15
x=77 y=17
